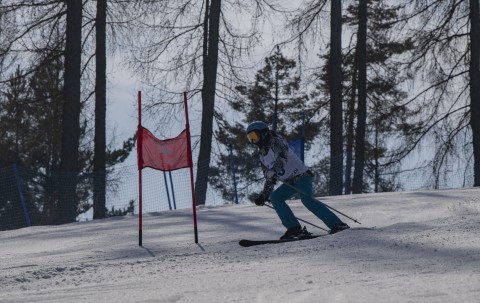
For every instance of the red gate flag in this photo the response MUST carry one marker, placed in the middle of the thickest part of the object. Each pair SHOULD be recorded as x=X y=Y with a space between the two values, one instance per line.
x=165 y=155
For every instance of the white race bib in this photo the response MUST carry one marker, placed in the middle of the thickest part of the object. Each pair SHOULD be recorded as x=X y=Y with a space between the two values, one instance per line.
x=293 y=167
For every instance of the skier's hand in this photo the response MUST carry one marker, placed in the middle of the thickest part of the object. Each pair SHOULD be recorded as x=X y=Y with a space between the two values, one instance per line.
x=260 y=200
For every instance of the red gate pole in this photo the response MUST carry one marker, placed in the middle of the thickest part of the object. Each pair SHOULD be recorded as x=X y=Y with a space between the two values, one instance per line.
x=140 y=166
x=190 y=164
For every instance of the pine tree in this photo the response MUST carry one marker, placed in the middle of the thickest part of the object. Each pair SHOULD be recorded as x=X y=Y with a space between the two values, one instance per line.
x=47 y=88
x=31 y=117
x=15 y=109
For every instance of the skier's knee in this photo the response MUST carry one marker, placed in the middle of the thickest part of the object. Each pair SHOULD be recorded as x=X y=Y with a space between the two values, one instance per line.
x=275 y=198
x=309 y=204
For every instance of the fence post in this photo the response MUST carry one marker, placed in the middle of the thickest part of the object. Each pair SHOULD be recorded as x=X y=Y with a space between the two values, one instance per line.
x=302 y=147
x=20 y=193
x=173 y=190
x=232 y=163
x=168 y=193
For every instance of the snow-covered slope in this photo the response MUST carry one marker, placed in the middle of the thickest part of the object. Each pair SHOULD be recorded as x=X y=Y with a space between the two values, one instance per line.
x=411 y=247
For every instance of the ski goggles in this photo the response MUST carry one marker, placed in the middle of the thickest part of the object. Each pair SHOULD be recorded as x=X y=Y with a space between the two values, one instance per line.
x=253 y=137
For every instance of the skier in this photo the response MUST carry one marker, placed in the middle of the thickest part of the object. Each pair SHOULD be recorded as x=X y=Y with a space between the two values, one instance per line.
x=280 y=162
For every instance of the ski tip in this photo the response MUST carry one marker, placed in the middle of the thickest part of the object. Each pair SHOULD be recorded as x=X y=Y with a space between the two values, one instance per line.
x=243 y=243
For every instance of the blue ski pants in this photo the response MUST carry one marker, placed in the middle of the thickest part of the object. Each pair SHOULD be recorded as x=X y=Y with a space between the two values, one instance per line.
x=304 y=184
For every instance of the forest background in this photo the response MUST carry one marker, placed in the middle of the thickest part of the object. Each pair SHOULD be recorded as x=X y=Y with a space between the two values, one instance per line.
x=382 y=88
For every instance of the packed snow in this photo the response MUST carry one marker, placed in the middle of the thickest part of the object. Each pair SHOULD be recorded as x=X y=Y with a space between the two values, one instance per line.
x=411 y=247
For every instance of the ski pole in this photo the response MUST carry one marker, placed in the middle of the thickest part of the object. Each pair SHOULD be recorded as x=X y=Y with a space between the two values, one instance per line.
x=304 y=221
x=328 y=206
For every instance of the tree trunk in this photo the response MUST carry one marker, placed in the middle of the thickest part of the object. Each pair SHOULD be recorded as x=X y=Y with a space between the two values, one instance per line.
x=362 y=98
x=210 y=62
x=99 y=174
x=66 y=211
x=350 y=128
x=335 y=85
x=475 y=86
x=277 y=89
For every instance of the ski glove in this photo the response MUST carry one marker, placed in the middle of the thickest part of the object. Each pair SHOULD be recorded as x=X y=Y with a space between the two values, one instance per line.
x=260 y=200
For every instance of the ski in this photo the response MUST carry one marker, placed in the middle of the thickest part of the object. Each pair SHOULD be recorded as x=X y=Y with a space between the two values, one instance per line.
x=248 y=243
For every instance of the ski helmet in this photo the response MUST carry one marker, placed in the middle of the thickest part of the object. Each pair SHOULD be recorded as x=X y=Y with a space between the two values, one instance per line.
x=257 y=132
